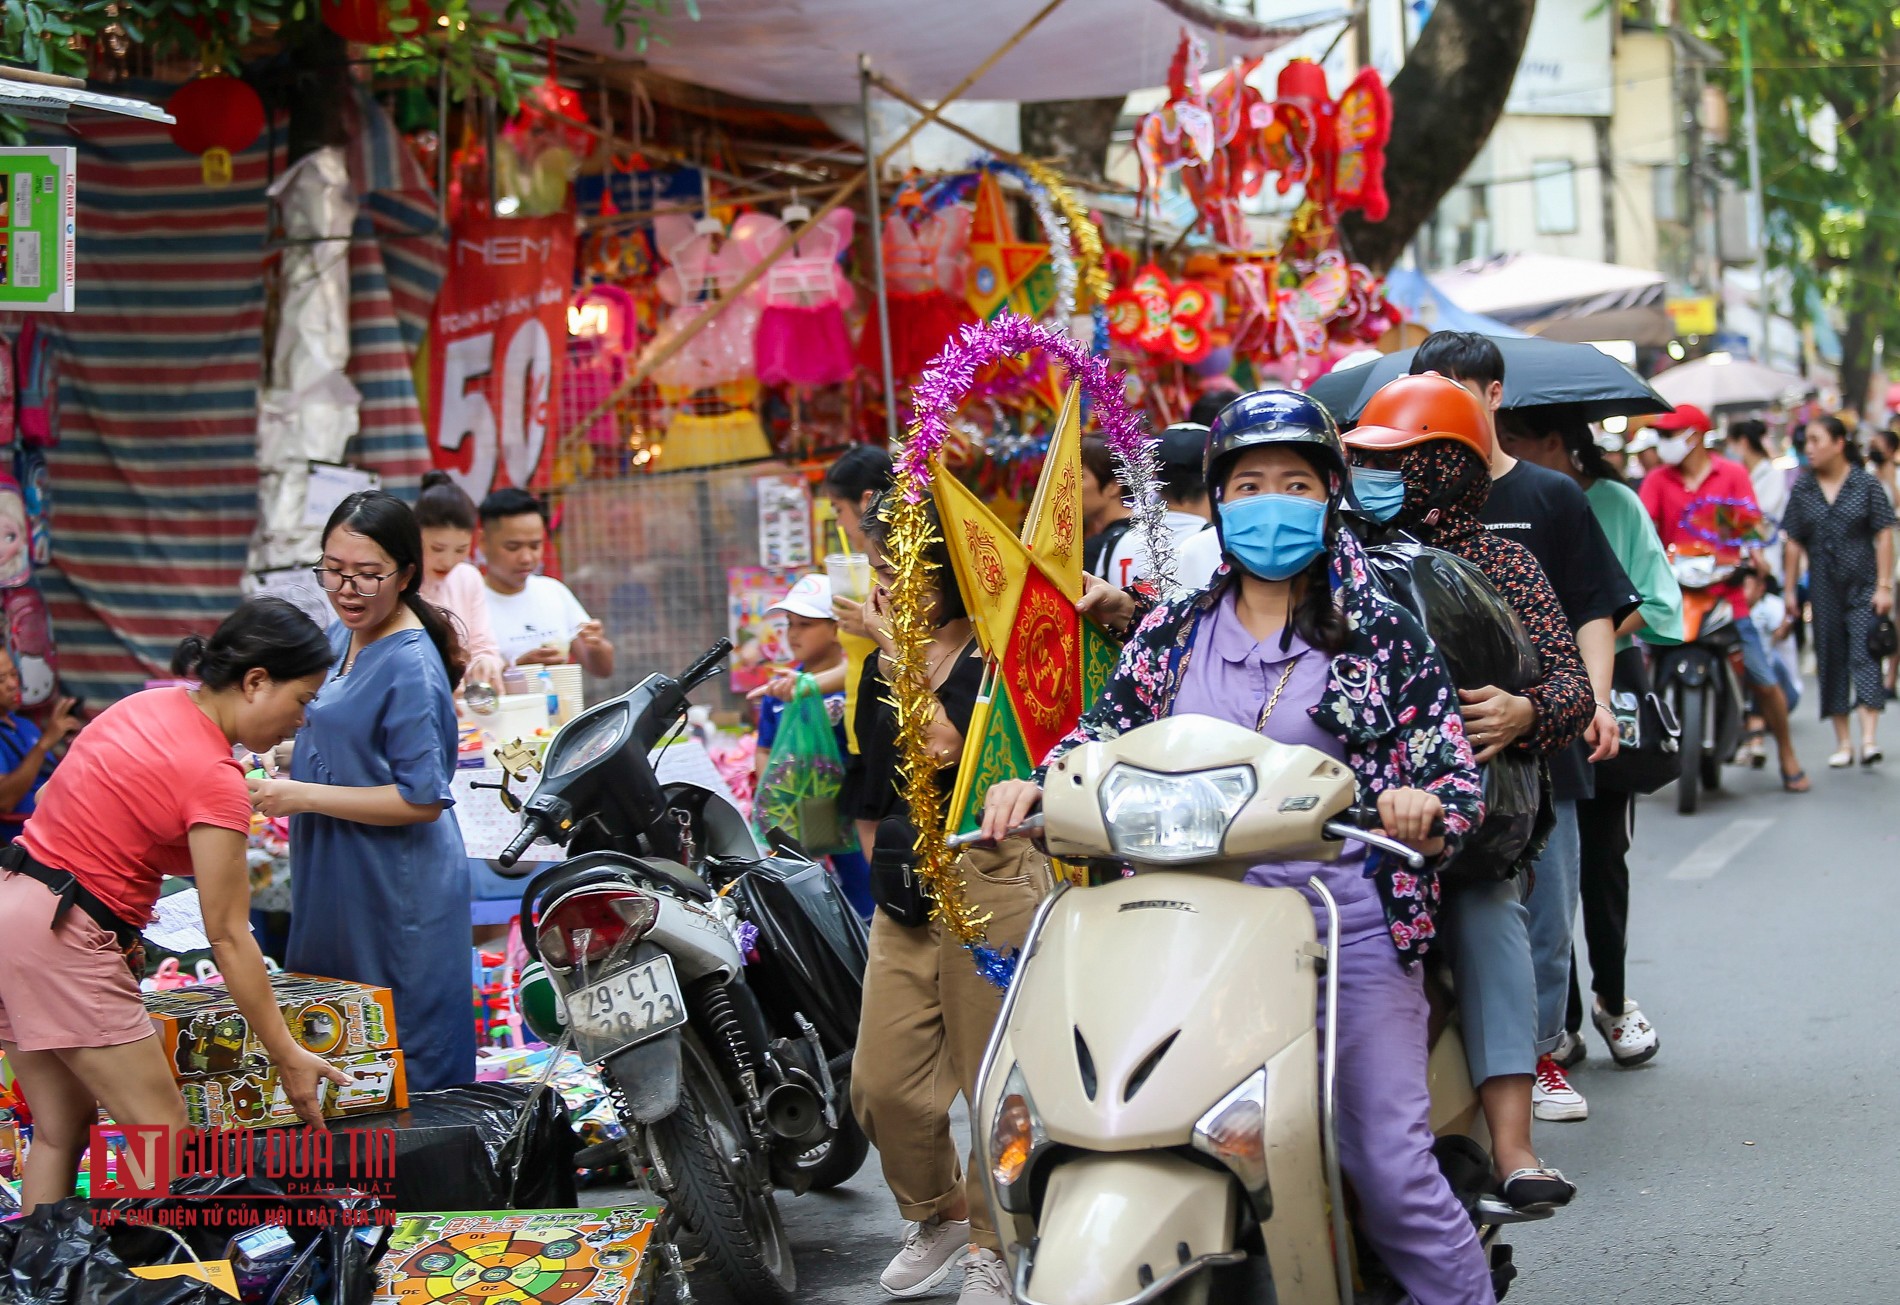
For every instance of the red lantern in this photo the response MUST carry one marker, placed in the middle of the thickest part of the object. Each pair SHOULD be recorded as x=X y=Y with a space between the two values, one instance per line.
x=365 y=21
x=217 y=115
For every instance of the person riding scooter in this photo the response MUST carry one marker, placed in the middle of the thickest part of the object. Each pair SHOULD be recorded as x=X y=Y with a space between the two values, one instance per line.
x=1292 y=640
x=1434 y=433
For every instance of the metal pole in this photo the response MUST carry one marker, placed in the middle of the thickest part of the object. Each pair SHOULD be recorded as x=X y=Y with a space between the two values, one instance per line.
x=1756 y=236
x=877 y=251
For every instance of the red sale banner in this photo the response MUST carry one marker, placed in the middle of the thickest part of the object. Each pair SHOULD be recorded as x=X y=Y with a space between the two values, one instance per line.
x=496 y=342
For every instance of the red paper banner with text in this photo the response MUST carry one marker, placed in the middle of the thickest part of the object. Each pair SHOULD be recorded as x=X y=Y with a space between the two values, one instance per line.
x=496 y=344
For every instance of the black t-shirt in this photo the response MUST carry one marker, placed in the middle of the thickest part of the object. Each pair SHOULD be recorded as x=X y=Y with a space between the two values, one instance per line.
x=1548 y=513
x=882 y=792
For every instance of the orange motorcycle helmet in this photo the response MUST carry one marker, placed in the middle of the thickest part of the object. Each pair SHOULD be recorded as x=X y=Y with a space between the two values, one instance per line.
x=1415 y=410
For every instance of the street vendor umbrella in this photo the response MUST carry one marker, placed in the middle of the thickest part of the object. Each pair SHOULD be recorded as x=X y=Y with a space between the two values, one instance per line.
x=1722 y=381
x=1537 y=373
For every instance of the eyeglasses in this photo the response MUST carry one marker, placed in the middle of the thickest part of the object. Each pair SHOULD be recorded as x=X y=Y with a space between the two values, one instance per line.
x=365 y=585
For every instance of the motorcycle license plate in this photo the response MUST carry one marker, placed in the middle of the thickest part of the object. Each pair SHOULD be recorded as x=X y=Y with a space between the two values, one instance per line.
x=626 y=1007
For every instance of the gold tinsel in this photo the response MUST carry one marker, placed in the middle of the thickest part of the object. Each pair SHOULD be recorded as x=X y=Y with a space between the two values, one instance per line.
x=910 y=535
x=1090 y=261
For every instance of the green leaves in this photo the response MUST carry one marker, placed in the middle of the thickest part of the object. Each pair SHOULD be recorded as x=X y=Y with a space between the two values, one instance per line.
x=481 y=55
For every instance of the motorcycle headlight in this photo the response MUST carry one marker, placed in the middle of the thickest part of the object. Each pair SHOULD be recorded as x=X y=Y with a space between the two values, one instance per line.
x=1015 y=1134
x=1234 y=1132
x=1156 y=817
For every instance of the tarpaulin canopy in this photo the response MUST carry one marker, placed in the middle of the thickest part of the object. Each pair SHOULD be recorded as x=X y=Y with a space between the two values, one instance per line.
x=1563 y=298
x=1722 y=381
x=806 y=51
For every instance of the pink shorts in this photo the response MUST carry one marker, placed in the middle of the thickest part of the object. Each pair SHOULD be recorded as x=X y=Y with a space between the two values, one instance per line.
x=64 y=987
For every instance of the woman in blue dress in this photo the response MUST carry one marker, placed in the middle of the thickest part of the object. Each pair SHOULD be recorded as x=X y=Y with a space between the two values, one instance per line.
x=380 y=889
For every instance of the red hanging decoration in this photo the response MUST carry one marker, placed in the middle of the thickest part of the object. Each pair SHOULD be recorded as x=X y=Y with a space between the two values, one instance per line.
x=217 y=115
x=364 y=21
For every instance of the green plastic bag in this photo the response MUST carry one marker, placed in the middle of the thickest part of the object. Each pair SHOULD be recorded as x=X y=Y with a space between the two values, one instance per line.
x=798 y=792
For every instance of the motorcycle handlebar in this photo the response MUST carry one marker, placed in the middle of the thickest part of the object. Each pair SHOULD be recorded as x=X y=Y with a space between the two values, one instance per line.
x=530 y=830
x=706 y=666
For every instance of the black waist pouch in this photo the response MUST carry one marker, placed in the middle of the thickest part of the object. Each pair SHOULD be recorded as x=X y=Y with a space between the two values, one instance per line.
x=895 y=887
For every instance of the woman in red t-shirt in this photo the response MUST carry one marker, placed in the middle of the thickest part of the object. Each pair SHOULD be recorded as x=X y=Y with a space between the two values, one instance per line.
x=149 y=788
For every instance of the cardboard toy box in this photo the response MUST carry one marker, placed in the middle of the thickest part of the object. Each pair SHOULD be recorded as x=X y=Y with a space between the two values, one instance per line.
x=254 y=1098
x=203 y=1034
x=525 y=1257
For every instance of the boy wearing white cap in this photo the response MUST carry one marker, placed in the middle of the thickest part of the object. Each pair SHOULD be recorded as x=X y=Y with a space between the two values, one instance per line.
x=812 y=635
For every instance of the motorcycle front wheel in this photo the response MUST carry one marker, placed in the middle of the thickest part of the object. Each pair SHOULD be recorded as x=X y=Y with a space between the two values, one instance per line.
x=721 y=1212
x=1694 y=706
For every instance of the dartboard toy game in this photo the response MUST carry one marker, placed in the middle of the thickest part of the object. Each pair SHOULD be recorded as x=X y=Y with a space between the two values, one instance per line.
x=540 y=1257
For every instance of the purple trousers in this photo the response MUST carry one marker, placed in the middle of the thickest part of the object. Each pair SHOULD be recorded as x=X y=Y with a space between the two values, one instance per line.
x=1408 y=1213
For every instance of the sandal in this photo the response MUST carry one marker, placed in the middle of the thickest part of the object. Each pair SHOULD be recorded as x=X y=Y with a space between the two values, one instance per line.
x=1537 y=1191
x=1796 y=781
x=1841 y=760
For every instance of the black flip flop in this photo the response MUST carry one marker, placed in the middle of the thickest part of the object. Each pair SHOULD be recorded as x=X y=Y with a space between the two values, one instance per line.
x=1537 y=1191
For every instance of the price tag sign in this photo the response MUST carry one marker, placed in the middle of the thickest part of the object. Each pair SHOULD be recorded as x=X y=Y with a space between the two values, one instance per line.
x=39 y=226
x=496 y=343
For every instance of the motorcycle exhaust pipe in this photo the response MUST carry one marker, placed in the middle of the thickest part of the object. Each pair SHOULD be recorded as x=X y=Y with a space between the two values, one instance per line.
x=795 y=1115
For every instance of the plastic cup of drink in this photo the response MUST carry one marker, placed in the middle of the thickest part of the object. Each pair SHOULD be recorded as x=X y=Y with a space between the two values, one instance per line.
x=850 y=575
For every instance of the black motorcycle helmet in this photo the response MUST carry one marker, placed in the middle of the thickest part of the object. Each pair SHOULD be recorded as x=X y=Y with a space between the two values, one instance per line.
x=1276 y=417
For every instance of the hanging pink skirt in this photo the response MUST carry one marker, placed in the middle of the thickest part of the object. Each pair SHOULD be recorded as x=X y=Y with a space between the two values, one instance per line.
x=804 y=346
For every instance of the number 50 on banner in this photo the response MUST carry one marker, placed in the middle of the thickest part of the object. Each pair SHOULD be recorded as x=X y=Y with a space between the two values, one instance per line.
x=496 y=343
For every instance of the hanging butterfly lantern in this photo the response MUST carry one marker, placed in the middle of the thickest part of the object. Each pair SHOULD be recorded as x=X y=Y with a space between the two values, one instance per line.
x=217 y=116
x=1336 y=148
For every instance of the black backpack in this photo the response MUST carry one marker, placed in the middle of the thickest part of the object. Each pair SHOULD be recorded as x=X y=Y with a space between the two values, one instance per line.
x=1482 y=642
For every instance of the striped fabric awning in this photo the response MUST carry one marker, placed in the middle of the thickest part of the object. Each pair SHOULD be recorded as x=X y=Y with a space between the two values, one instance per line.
x=154 y=479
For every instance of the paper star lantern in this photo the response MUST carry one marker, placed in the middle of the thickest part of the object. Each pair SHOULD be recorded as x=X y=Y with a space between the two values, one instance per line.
x=1000 y=264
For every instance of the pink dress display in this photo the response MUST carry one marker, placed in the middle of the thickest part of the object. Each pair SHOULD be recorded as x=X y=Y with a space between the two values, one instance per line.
x=802 y=338
x=701 y=268
x=925 y=264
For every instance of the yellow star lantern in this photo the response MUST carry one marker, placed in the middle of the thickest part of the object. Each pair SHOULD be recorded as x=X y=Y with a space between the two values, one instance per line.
x=1045 y=662
x=1001 y=266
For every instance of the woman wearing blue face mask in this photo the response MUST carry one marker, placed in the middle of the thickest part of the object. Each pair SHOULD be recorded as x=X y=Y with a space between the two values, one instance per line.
x=1292 y=639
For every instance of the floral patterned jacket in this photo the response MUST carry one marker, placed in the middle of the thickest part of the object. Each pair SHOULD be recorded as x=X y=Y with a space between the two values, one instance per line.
x=1388 y=698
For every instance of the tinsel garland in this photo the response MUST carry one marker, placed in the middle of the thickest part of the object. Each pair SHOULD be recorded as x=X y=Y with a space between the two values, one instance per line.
x=942 y=387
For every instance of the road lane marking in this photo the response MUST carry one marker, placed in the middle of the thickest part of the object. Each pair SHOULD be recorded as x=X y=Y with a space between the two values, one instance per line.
x=1712 y=857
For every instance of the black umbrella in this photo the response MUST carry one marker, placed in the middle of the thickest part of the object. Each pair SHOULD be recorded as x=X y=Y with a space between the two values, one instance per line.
x=1537 y=373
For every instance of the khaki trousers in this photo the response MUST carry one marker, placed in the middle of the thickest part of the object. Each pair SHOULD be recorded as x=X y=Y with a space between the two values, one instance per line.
x=926 y=1020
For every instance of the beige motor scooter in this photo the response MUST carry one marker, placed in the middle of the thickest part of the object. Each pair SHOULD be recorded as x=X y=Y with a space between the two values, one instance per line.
x=1153 y=1120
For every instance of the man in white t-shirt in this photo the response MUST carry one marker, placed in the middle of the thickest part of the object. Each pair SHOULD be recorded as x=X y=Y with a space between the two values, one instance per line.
x=1180 y=451
x=537 y=619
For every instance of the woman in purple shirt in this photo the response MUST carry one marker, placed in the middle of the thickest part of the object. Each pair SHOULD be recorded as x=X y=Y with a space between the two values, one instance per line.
x=1293 y=639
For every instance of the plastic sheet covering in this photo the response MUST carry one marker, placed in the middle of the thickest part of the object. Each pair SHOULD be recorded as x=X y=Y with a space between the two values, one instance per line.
x=1482 y=642
x=338 y=1238
x=471 y=1148
x=56 y=1255
x=309 y=409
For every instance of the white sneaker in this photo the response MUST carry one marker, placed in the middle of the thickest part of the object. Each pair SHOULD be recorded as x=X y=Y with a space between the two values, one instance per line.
x=1552 y=1097
x=930 y=1249
x=985 y=1280
x=1632 y=1040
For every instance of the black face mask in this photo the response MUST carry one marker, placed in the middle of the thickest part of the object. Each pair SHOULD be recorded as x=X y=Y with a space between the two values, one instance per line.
x=1878 y=455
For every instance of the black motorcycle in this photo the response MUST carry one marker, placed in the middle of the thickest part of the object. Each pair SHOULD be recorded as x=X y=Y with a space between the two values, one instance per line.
x=715 y=982
x=1701 y=678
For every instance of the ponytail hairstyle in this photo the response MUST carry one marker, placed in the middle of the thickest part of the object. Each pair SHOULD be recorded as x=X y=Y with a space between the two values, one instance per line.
x=264 y=633
x=1581 y=444
x=443 y=504
x=387 y=522
x=1850 y=446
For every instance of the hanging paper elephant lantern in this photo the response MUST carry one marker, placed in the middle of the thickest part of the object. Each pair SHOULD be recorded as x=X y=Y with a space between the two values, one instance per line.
x=217 y=115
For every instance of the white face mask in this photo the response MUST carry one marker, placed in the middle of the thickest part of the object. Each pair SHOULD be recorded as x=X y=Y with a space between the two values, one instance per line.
x=1673 y=449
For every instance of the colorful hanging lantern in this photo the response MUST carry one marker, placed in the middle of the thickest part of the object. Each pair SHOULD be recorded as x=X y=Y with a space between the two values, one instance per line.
x=364 y=21
x=1163 y=316
x=217 y=115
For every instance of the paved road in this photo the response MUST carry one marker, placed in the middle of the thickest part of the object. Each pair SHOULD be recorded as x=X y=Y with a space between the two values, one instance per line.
x=1736 y=1166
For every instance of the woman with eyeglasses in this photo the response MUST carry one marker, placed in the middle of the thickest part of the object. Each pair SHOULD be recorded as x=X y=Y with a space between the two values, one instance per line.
x=379 y=892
